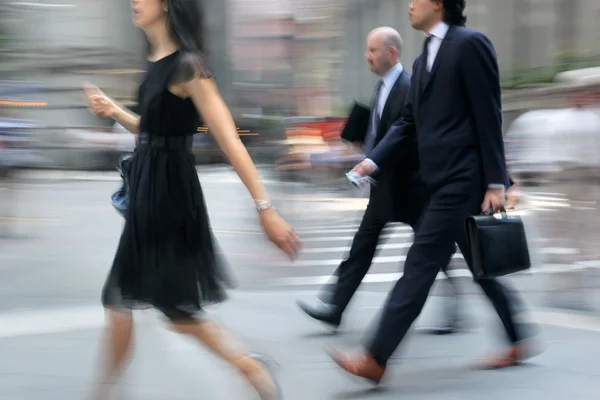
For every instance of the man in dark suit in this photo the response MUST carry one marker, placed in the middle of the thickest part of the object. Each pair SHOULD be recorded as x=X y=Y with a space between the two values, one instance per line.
x=398 y=195
x=454 y=111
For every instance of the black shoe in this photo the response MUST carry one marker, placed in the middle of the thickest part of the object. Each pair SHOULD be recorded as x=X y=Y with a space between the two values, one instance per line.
x=441 y=330
x=326 y=313
x=450 y=327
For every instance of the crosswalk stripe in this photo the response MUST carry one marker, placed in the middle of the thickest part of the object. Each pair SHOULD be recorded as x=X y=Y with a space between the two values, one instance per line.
x=453 y=273
x=397 y=246
x=560 y=268
x=387 y=246
x=376 y=260
x=330 y=255
x=547 y=194
x=219 y=176
x=70 y=319
x=354 y=224
x=347 y=230
x=559 y=251
x=369 y=278
x=328 y=227
x=38 y=322
x=348 y=238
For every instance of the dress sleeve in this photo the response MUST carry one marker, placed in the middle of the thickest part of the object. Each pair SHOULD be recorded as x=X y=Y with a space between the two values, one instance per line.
x=191 y=65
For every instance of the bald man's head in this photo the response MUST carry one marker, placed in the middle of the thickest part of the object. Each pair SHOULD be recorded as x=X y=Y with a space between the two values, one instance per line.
x=384 y=47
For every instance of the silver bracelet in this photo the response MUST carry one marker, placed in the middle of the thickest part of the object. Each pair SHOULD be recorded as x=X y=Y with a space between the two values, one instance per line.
x=262 y=205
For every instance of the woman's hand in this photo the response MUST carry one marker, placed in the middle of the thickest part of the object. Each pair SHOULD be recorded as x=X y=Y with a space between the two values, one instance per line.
x=280 y=232
x=101 y=105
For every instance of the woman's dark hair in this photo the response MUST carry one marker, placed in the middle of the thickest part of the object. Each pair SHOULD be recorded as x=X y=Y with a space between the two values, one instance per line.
x=454 y=12
x=185 y=19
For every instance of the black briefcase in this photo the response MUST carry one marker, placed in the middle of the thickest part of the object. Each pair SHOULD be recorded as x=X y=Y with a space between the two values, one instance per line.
x=498 y=245
x=357 y=124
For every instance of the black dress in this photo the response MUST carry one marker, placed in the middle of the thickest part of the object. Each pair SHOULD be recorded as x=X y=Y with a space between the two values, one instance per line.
x=167 y=255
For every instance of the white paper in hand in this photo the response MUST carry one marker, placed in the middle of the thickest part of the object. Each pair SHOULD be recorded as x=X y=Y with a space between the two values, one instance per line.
x=359 y=181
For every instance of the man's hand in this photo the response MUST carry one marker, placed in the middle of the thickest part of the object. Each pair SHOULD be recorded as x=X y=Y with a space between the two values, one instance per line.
x=494 y=200
x=365 y=168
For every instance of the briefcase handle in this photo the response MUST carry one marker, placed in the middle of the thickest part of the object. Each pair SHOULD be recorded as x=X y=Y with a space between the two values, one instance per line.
x=489 y=212
x=502 y=210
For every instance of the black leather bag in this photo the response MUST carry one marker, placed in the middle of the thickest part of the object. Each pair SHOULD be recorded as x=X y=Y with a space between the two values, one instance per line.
x=498 y=245
x=357 y=124
x=120 y=198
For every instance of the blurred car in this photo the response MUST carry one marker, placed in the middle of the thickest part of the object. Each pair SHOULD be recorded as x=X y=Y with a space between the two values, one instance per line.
x=18 y=145
x=313 y=151
x=101 y=148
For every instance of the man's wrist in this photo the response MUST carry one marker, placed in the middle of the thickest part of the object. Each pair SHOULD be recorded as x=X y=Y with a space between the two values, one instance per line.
x=372 y=164
x=496 y=186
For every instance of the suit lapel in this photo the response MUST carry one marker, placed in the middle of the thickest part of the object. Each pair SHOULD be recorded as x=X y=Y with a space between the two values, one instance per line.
x=439 y=58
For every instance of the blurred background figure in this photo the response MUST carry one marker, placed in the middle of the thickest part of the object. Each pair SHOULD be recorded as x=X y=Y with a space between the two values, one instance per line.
x=557 y=152
x=18 y=150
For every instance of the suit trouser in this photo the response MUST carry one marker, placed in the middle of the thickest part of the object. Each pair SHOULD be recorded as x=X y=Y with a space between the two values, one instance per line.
x=354 y=268
x=441 y=226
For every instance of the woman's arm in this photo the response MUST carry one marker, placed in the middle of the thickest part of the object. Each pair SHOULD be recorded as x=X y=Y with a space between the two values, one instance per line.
x=128 y=119
x=105 y=107
x=217 y=117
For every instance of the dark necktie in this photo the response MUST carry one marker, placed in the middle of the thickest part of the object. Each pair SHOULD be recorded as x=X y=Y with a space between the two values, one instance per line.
x=375 y=119
x=425 y=60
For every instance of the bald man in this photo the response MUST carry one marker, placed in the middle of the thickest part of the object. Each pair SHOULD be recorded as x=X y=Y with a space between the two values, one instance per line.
x=399 y=195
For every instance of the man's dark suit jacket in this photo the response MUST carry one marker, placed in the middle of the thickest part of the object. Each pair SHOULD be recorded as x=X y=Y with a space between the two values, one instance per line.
x=398 y=189
x=456 y=121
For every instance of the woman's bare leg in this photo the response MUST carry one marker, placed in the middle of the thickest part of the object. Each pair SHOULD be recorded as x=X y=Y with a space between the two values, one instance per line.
x=117 y=341
x=225 y=346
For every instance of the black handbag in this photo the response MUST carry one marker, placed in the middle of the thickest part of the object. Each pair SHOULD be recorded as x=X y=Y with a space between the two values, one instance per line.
x=120 y=198
x=498 y=245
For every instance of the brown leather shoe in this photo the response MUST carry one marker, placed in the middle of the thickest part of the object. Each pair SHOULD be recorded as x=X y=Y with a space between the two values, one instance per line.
x=363 y=366
x=511 y=357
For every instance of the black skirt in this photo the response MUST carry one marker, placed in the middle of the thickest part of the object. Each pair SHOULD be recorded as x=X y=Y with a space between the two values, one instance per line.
x=167 y=256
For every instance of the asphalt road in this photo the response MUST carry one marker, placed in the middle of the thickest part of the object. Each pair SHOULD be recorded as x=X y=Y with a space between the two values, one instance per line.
x=60 y=240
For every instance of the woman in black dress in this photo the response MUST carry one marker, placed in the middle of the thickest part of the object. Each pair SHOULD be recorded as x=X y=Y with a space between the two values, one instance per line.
x=166 y=256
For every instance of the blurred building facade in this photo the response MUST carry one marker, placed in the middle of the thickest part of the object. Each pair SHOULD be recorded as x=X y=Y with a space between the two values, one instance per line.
x=55 y=45
x=277 y=57
x=60 y=44
x=533 y=38
x=286 y=54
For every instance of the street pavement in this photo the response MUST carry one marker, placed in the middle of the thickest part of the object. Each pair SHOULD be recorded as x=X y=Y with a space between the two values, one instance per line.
x=53 y=356
x=61 y=239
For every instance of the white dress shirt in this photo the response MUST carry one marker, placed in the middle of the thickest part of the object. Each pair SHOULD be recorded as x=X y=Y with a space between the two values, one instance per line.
x=388 y=81
x=437 y=33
